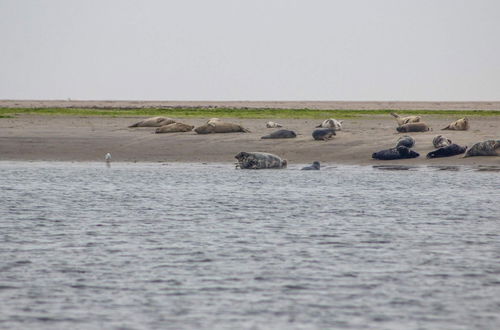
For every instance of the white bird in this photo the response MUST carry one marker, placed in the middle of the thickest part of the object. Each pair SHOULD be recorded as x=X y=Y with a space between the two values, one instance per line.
x=107 y=157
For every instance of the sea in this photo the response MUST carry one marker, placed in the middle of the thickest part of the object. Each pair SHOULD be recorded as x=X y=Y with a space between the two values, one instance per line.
x=208 y=246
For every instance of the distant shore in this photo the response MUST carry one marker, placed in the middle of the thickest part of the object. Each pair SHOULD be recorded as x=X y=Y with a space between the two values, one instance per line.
x=319 y=105
x=29 y=137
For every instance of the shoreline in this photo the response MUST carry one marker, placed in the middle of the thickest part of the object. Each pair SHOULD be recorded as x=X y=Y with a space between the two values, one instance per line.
x=88 y=139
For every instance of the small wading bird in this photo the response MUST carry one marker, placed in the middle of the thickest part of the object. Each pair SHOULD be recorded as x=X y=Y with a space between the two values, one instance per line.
x=107 y=157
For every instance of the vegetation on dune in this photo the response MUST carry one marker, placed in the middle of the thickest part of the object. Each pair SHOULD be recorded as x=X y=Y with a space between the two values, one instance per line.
x=235 y=112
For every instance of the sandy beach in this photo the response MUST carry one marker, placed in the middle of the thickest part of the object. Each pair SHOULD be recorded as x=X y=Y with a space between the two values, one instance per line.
x=72 y=138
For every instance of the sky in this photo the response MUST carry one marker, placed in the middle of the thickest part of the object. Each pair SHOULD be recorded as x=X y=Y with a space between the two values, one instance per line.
x=258 y=50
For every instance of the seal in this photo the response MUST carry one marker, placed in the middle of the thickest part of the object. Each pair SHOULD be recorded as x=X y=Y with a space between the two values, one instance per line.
x=413 y=127
x=213 y=120
x=406 y=141
x=461 y=124
x=280 y=134
x=331 y=123
x=447 y=151
x=440 y=141
x=315 y=166
x=173 y=128
x=259 y=160
x=323 y=134
x=272 y=124
x=405 y=120
x=154 y=122
x=485 y=148
x=400 y=152
x=219 y=127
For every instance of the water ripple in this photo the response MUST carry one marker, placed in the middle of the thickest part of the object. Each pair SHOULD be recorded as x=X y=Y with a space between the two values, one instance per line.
x=141 y=246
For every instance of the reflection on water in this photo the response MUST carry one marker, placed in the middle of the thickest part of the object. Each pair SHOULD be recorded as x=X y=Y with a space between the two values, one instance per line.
x=482 y=168
x=446 y=167
x=395 y=167
x=143 y=246
x=488 y=168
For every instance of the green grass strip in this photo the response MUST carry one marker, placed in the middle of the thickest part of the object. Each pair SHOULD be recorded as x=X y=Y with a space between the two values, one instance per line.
x=264 y=113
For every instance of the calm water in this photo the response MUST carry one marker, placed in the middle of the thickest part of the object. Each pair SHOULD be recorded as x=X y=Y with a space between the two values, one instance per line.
x=186 y=246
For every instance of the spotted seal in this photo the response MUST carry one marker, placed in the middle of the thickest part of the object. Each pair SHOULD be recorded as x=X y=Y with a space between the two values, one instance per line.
x=272 y=124
x=173 y=128
x=280 y=134
x=485 y=148
x=400 y=152
x=315 y=166
x=406 y=141
x=447 y=151
x=219 y=127
x=259 y=160
x=323 y=134
x=413 y=127
x=331 y=123
x=461 y=124
x=405 y=120
x=154 y=122
x=440 y=141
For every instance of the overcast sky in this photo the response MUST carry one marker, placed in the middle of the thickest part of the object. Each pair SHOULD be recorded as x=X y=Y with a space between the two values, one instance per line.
x=422 y=50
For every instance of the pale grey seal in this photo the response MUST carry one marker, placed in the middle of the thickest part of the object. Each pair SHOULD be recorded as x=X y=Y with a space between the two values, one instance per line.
x=219 y=127
x=440 y=141
x=461 y=124
x=406 y=141
x=485 y=148
x=405 y=120
x=174 y=128
x=272 y=124
x=154 y=122
x=413 y=127
x=259 y=160
x=331 y=123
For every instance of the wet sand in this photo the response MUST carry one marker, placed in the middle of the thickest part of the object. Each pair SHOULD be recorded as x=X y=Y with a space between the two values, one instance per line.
x=71 y=138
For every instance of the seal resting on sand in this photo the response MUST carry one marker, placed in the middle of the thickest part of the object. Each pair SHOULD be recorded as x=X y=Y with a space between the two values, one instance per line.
x=323 y=134
x=331 y=123
x=315 y=166
x=406 y=141
x=219 y=127
x=447 y=151
x=440 y=141
x=461 y=124
x=485 y=148
x=213 y=120
x=173 y=128
x=272 y=124
x=281 y=134
x=405 y=120
x=400 y=152
x=154 y=122
x=259 y=160
x=413 y=127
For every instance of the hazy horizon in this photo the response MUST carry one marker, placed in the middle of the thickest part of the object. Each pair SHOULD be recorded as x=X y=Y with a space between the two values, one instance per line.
x=230 y=50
